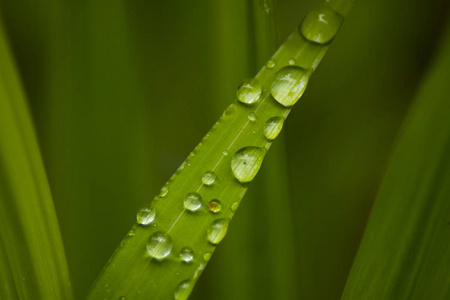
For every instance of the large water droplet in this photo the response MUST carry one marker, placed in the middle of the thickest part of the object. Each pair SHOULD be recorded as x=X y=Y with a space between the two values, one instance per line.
x=159 y=245
x=321 y=25
x=273 y=127
x=289 y=84
x=146 y=216
x=193 y=201
x=249 y=91
x=182 y=291
x=246 y=163
x=187 y=255
x=208 y=178
x=217 y=231
x=215 y=206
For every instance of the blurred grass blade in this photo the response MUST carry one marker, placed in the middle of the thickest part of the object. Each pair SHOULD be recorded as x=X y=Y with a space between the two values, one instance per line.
x=32 y=251
x=405 y=252
x=187 y=213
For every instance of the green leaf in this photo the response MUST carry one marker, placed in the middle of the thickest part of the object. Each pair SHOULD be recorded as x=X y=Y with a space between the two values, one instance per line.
x=32 y=259
x=405 y=251
x=233 y=151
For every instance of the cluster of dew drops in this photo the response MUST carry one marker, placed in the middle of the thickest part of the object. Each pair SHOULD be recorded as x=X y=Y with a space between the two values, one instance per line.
x=318 y=27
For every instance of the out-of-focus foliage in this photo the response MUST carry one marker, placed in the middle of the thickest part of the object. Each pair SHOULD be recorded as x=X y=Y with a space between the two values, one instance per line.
x=121 y=91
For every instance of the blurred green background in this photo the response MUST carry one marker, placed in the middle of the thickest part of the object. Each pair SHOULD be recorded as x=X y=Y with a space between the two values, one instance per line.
x=122 y=91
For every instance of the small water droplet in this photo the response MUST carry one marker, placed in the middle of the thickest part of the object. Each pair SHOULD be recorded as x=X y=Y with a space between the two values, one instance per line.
x=182 y=166
x=249 y=91
x=207 y=256
x=164 y=191
x=192 y=154
x=234 y=206
x=321 y=25
x=225 y=152
x=208 y=178
x=246 y=163
x=122 y=298
x=252 y=117
x=273 y=127
x=199 y=270
x=159 y=245
x=292 y=61
x=215 y=206
x=270 y=64
x=131 y=233
x=289 y=84
x=192 y=201
x=182 y=291
x=187 y=255
x=230 y=110
x=217 y=231
x=146 y=216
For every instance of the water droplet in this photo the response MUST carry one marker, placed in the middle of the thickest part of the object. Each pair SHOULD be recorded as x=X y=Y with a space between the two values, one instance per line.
x=217 y=231
x=182 y=291
x=193 y=201
x=159 y=245
x=321 y=25
x=208 y=178
x=273 y=127
x=252 y=117
x=292 y=61
x=187 y=255
x=207 y=256
x=215 y=206
x=164 y=191
x=199 y=270
x=230 y=110
x=249 y=91
x=246 y=163
x=234 y=206
x=289 y=84
x=131 y=233
x=122 y=298
x=270 y=64
x=146 y=216
x=225 y=152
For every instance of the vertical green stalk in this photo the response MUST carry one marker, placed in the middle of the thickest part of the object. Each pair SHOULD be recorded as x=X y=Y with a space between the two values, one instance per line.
x=30 y=238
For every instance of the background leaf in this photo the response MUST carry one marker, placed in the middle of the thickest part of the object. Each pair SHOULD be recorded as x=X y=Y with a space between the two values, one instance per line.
x=405 y=250
x=32 y=259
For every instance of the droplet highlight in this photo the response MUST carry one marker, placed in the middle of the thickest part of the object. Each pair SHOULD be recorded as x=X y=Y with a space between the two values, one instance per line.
x=159 y=245
x=249 y=91
x=321 y=25
x=246 y=162
x=187 y=255
x=217 y=231
x=208 y=178
x=192 y=201
x=273 y=127
x=289 y=84
x=146 y=216
x=215 y=206
x=182 y=291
